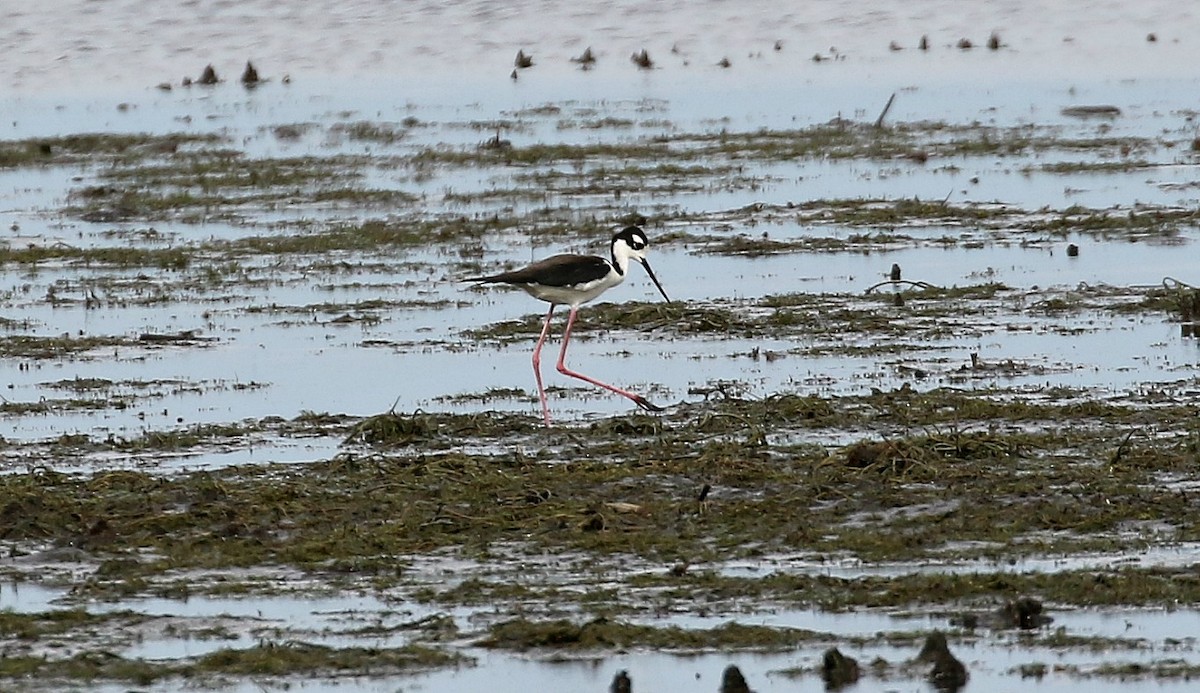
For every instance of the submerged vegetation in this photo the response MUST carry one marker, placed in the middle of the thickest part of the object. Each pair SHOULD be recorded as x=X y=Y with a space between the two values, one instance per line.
x=950 y=476
x=942 y=483
x=269 y=659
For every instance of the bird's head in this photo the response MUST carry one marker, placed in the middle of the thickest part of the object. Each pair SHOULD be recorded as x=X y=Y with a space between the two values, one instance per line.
x=631 y=243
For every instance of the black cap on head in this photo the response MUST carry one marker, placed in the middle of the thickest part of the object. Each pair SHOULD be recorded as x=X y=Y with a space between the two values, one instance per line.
x=635 y=237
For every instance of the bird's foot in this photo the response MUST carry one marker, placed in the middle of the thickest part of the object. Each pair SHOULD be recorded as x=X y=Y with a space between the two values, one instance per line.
x=645 y=404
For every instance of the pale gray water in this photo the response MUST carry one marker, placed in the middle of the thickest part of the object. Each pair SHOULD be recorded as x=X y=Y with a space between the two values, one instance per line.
x=327 y=620
x=68 y=65
x=56 y=44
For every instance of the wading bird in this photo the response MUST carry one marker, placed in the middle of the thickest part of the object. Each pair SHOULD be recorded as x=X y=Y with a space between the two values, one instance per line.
x=573 y=280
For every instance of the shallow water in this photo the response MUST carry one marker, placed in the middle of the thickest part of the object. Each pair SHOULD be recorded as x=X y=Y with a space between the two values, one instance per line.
x=119 y=42
x=332 y=620
x=276 y=353
x=342 y=375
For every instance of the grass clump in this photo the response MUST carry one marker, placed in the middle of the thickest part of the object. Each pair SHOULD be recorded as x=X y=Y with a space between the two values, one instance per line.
x=601 y=633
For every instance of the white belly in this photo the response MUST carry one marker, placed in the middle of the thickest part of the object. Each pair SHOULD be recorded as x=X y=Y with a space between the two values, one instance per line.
x=575 y=294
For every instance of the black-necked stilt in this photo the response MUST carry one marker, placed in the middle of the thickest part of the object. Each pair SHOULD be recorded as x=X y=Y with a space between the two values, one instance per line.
x=573 y=280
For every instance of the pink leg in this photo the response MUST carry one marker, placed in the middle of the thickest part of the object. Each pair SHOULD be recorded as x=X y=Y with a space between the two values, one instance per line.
x=562 y=368
x=537 y=365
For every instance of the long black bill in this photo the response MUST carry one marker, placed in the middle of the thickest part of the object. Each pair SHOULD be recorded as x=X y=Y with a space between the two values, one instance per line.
x=655 y=280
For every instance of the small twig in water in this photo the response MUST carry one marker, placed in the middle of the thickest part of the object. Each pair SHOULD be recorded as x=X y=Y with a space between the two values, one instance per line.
x=1121 y=448
x=919 y=285
x=886 y=108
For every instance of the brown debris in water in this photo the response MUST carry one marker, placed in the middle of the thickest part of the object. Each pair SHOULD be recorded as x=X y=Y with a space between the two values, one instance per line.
x=182 y=337
x=884 y=453
x=1025 y=613
x=391 y=428
x=1101 y=111
x=250 y=77
x=1186 y=299
x=838 y=670
x=586 y=59
x=498 y=143
x=947 y=672
x=732 y=681
x=209 y=76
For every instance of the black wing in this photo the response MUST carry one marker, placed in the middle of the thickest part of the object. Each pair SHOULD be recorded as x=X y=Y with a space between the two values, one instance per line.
x=559 y=270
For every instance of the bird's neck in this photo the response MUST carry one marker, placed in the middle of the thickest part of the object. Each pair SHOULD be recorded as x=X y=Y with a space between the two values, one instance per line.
x=620 y=263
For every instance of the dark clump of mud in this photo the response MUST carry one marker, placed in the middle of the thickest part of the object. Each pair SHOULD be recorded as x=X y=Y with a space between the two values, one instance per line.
x=250 y=76
x=208 y=77
x=946 y=672
x=732 y=681
x=838 y=670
